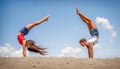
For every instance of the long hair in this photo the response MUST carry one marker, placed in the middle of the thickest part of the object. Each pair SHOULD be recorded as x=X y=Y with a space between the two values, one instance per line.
x=34 y=48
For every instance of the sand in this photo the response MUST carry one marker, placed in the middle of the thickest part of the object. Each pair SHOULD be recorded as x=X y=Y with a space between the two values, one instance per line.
x=58 y=63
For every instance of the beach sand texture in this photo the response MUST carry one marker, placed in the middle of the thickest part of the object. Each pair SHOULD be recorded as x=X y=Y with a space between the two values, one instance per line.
x=58 y=63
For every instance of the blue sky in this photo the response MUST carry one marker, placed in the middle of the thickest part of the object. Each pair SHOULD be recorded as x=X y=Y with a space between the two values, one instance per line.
x=62 y=32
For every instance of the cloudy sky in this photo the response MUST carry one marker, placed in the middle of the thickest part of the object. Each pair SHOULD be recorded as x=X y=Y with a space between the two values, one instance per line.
x=62 y=32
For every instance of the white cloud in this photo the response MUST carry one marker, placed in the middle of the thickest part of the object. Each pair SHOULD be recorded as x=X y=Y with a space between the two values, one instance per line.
x=106 y=24
x=70 y=52
x=8 y=51
x=113 y=33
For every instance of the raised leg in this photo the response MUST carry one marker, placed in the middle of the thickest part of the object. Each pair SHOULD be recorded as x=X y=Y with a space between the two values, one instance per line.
x=85 y=19
x=30 y=26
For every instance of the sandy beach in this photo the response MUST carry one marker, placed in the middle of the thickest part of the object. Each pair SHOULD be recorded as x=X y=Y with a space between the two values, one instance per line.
x=58 y=63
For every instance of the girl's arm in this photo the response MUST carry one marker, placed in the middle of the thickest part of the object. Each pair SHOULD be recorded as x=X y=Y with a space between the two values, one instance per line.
x=24 y=48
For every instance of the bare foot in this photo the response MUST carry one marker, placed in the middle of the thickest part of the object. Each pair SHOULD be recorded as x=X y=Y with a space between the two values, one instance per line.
x=46 y=18
x=77 y=11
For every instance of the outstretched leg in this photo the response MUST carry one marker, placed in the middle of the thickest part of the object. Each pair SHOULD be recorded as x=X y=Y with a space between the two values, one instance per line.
x=88 y=21
x=30 y=26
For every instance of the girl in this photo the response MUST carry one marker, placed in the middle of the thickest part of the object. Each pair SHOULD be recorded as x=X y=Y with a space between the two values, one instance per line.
x=30 y=44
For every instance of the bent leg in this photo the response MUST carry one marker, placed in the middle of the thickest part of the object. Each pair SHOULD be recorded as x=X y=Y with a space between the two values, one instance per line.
x=30 y=26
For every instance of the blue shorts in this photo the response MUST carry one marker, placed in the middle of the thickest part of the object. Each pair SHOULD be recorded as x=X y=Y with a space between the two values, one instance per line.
x=24 y=31
x=94 y=32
